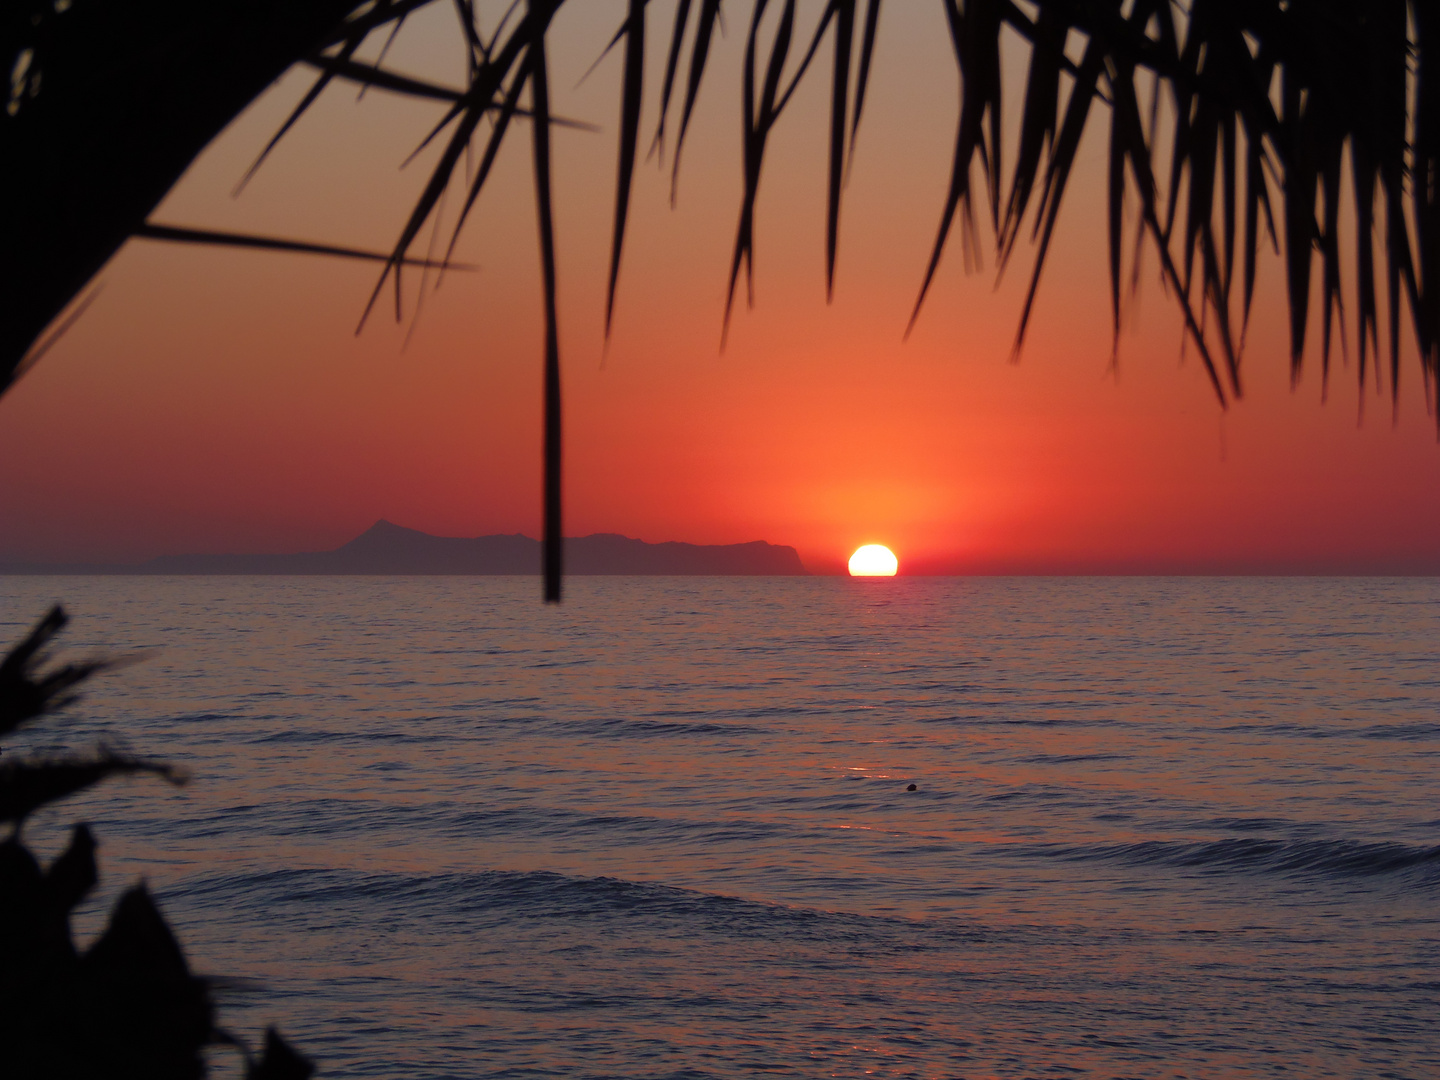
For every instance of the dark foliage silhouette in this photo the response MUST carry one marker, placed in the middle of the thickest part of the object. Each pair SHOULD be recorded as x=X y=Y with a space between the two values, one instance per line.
x=25 y=693
x=129 y=1004
x=1267 y=101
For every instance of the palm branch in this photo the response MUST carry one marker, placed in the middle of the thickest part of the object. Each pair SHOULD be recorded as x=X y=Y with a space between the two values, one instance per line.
x=1269 y=103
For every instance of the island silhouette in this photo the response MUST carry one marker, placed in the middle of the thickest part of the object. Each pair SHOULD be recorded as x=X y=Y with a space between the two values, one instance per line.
x=387 y=548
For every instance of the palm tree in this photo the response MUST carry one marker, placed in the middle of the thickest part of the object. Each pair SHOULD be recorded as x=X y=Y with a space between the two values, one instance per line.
x=1266 y=104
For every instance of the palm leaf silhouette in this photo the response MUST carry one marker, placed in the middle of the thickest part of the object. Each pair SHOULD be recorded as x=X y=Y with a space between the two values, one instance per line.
x=1265 y=99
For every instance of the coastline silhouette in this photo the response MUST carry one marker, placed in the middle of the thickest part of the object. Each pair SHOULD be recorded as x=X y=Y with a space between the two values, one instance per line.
x=385 y=548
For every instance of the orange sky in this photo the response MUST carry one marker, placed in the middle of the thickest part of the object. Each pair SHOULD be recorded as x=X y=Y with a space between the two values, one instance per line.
x=214 y=400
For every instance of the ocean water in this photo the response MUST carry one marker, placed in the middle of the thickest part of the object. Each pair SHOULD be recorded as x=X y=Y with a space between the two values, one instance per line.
x=1177 y=827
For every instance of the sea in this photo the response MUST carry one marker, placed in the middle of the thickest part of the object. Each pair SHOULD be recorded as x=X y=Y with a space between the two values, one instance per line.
x=802 y=827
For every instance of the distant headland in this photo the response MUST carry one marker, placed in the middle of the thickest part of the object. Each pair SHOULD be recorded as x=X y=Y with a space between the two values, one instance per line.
x=385 y=548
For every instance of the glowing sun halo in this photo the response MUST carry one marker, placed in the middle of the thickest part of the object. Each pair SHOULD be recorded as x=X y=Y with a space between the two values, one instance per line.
x=873 y=560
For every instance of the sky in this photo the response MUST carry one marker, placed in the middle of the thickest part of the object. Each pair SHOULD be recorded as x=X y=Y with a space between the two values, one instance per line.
x=213 y=400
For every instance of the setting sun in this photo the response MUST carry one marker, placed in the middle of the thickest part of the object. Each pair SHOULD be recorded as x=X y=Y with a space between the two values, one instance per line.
x=873 y=560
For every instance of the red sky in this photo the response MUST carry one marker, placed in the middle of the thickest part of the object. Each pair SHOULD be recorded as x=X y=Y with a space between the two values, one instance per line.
x=214 y=400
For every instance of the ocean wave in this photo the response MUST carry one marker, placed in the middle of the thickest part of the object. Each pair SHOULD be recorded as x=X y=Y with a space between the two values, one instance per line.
x=334 y=818
x=1415 y=731
x=639 y=728
x=336 y=737
x=1069 y=759
x=503 y=896
x=1338 y=858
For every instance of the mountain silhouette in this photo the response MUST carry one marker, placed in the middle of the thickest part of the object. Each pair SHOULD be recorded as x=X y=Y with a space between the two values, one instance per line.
x=386 y=548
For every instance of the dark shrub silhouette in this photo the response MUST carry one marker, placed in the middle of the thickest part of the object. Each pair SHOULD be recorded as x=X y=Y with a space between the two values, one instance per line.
x=128 y=1005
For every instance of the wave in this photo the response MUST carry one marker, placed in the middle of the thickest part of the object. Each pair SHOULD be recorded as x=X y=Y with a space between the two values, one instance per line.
x=1414 y=731
x=1336 y=858
x=503 y=896
x=641 y=728
x=385 y=821
x=597 y=727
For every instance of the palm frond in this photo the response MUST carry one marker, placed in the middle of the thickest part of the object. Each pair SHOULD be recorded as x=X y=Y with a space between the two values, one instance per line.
x=706 y=22
x=634 y=32
x=758 y=119
x=1263 y=100
x=540 y=12
x=672 y=64
x=217 y=238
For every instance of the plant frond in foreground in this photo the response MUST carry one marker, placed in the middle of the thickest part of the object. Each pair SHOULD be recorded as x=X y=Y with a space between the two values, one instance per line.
x=1267 y=103
x=26 y=692
x=1273 y=111
x=128 y=1005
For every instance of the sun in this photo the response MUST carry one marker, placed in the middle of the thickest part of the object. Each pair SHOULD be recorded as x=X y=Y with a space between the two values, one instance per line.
x=873 y=560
